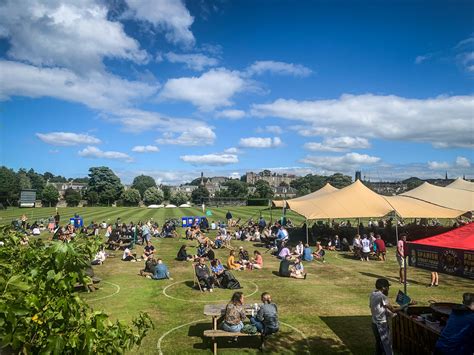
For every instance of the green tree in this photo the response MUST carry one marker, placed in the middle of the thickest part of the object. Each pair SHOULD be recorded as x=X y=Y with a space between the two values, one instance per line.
x=107 y=185
x=153 y=195
x=50 y=195
x=166 y=192
x=9 y=186
x=143 y=182
x=24 y=180
x=235 y=188
x=131 y=197
x=339 y=180
x=37 y=182
x=263 y=189
x=72 y=197
x=178 y=198
x=199 y=195
x=39 y=311
x=92 y=197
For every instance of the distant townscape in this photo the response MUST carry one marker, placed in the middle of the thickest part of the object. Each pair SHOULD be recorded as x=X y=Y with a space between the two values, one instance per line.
x=102 y=187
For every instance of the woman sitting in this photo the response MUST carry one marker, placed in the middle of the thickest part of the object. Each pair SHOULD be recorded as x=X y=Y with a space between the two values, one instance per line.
x=234 y=314
x=183 y=255
x=231 y=263
x=297 y=270
x=319 y=253
x=257 y=261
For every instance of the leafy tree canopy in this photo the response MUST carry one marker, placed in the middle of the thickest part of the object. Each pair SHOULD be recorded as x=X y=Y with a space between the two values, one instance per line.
x=50 y=195
x=153 y=195
x=9 y=186
x=131 y=197
x=72 y=197
x=178 y=198
x=263 y=189
x=200 y=194
x=235 y=188
x=107 y=185
x=143 y=182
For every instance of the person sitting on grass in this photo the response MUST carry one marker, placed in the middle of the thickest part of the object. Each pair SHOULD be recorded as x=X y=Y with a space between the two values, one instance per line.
x=234 y=314
x=285 y=265
x=150 y=265
x=307 y=254
x=243 y=256
x=266 y=319
x=204 y=275
x=319 y=253
x=128 y=256
x=284 y=252
x=297 y=270
x=161 y=271
x=231 y=263
x=257 y=261
x=183 y=255
x=99 y=257
x=299 y=249
x=148 y=251
x=218 y=242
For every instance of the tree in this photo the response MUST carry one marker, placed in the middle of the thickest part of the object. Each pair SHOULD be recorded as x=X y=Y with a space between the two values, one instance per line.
x=41 y=313
x=9 y=186
x=263 y=189
x=37 y=182
x=131 y=197
x=107 y=185
x=153 y=195
x=284 y=184
x=200 y=194
x=235 y=189
x=24 y=180
x=50 y=195
x=92 y=197
x=339 y=180
x=72 y=197
x=166 y=192
x=178 y=198
x=143 y=182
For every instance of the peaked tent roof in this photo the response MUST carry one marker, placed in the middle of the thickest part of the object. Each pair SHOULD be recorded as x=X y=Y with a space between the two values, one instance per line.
x=353 y=201
x=408 y=207
x=328 y=188
x=443 y=196
x=459 y=238
x=461 y=184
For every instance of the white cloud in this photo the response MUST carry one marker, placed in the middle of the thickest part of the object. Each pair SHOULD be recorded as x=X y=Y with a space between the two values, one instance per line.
x=170 y=16
x=338 y=144
x=443 y=121
x=196 y=136
x=465 y=56
x=260 y=142
x=145 y=149
x=67 y=138
x=98 y=91
x=269 y=129
x=212 y=89
x=195 y=61
x=231 y=114
x=281 y=68
x=210 y=159
x=346 y=163
x=232 y=150
x=463 y=162
x=435 y=165
x=72 y=34
x=96 y=153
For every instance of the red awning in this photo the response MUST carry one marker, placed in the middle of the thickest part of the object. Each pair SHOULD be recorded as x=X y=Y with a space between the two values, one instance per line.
x=459 y=238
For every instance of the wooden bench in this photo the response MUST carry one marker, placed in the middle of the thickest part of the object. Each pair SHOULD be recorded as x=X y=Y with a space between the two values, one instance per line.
x=214 y=334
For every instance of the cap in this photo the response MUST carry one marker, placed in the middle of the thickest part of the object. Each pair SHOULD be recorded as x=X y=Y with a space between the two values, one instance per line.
x=380 y=283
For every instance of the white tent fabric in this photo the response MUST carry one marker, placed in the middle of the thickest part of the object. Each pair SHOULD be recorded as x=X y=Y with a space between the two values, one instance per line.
x=184 y=205
x=170 y=206
x=462 y=184
x=407 y=207
x=328 y=188
x=462 y=200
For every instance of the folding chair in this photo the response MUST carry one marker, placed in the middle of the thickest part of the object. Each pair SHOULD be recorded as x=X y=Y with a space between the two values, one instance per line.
x=195 y=278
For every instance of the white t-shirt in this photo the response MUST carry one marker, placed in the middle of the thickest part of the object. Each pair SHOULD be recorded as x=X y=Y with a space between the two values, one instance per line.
x=365 y=246
x=126 y=253
x=377 y=303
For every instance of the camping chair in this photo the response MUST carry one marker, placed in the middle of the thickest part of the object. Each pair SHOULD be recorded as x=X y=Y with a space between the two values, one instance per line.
x=195 y=278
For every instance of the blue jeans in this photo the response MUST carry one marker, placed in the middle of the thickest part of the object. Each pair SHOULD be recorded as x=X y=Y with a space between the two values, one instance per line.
x=232 y=328
x=259 y=325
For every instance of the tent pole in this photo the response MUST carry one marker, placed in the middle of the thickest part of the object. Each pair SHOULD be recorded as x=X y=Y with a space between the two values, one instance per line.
x=307 y=236
x=358 y=226
x=396 y=227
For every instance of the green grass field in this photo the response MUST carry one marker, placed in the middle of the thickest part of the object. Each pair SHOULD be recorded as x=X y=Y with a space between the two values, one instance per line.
x=326 y=314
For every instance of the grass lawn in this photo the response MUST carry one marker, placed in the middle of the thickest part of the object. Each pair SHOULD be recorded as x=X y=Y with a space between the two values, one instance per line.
x=326 y=314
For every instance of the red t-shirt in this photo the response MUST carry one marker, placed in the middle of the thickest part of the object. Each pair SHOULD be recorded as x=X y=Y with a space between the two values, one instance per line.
x=380 y=245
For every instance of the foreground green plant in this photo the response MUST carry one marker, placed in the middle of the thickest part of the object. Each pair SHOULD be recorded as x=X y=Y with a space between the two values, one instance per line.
x=39 y=310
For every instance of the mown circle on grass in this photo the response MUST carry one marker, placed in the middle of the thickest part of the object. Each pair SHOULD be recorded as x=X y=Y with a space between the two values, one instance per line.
x=203 y=301
x=160 y=352
x=117 y=290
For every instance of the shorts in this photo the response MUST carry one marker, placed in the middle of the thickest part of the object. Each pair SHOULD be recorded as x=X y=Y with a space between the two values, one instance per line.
x=365 y=255
x=401 y=261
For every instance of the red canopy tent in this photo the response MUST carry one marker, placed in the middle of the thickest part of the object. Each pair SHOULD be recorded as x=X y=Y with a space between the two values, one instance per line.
x=451 y=252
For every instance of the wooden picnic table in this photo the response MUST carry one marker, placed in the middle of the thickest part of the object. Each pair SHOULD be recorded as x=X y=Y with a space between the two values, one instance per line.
x=218 y=310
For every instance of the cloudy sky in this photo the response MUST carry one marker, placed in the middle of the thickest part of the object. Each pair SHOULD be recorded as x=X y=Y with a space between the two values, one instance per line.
x=171 y=88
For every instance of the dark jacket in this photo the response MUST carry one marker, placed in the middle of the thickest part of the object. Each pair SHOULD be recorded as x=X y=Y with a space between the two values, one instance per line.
x=268 y=315
x=285 y=268
x=457 y=336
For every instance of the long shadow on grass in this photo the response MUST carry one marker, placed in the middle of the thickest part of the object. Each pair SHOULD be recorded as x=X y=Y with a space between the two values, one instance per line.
x=411 y=281
x=352 y=330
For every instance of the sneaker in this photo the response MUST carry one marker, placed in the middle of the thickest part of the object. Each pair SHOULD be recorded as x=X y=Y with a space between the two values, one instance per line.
x=211 y=290
x=305 y=276
x=170 y=278
x=204 y=289
x=148 y=276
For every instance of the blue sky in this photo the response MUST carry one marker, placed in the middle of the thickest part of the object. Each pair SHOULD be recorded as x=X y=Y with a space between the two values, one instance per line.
x=171 y=88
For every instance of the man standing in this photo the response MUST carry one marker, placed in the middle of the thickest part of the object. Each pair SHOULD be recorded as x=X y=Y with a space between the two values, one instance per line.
x=228 y=216
x=381 y=249
x=401 y=256
x=380 y=308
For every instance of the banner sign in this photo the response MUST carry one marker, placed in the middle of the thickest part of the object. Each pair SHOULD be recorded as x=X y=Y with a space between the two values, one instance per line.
x=448 y=261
